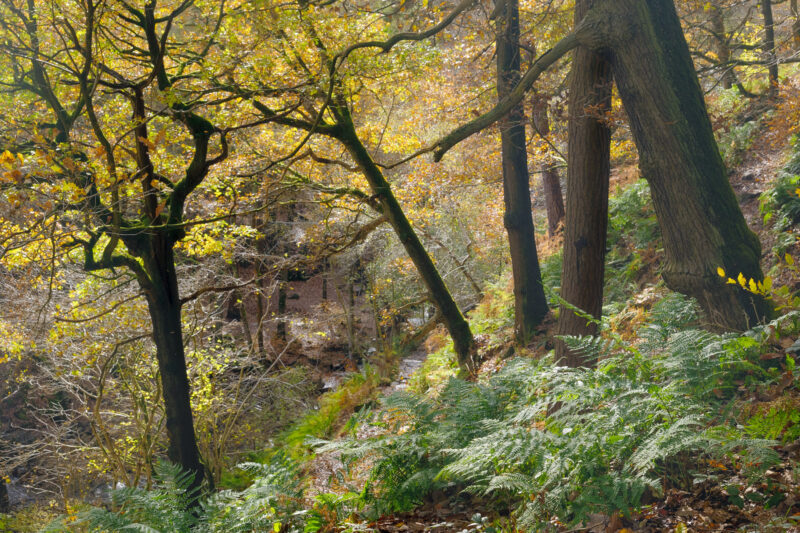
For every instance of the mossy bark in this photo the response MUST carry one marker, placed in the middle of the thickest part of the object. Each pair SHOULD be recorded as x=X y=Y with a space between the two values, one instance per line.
x=457 y=326
x=530 y=303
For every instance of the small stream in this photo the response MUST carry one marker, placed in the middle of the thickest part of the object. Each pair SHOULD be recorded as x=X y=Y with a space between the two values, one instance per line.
x=408 y=365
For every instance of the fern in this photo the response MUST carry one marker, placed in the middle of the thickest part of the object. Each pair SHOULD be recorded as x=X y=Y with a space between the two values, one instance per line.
x=272 y=502
x=620 y=430
x=165 y=508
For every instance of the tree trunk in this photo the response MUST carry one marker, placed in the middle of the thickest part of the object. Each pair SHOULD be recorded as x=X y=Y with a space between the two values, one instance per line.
x=5 y=505
x=553 y=199
x=164 y=305
x=701 y=223
x=326 y=268
x=530 y=304
x=795 y=24
x=588 y=167
x=280 y=328
x=723 y=49
x=769 y=47
x=454 y=321
x=551 y=183
x=261 y=311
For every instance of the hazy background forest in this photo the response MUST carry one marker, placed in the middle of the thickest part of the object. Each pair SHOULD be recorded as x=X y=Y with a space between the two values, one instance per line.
x=397 y=265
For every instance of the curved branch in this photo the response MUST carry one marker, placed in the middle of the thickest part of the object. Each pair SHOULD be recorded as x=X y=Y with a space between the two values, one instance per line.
x=505 y=106
x=388 y=44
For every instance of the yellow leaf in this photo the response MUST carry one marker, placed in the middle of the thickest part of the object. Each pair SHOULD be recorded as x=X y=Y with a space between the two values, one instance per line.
x=742 y=280
x=789 y=260
x=768 y=283
x=753 y=286
x=7 y=158
x=721 y=272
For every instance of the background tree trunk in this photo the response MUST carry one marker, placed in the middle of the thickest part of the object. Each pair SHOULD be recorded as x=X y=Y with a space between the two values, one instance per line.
x=551 y=183
x=530 y=304
x=769 y=47
x=701 y=223
x=280 y=326
x=588 y=168
x=553 y=199
x=5 y=505
x=723 y=49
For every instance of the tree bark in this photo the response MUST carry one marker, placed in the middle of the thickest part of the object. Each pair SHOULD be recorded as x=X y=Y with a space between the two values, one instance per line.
x=769 y=47
x=553 y=199
x=701 y=223
x=795 y=24
x=530 y=304
x=588 y=168
x=723 y=48
x=280 y=327
x=457 y=326
x=164 y=305
x=551 y=183
x=5 y=505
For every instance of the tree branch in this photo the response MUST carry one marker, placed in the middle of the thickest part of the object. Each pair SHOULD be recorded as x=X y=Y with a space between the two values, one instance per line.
x=505 y=106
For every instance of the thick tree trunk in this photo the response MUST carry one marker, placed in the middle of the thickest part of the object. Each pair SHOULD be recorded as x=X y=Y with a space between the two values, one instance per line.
x=588 y=167
x=164 y=305
x=701 y=223
x=454 y=321
x=530 y=304
x=795 y=24
x=551 y=183
x=769 y=47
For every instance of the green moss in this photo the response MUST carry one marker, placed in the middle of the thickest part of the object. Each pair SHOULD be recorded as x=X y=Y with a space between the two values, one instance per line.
x=334 y=410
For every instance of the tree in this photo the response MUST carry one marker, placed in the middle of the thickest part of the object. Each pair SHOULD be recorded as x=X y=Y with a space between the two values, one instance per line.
x=122 y=204
x=332 y=118
x=588 y=169
x=551 y=183
x=702 y=225
x=769 y=47
x=530 y=303
x=5 y=506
